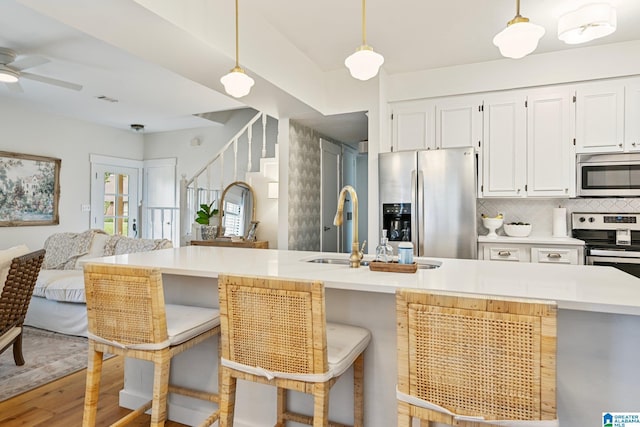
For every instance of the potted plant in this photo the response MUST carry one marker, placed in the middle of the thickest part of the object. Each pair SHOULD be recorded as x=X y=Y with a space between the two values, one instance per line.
x=207 y=217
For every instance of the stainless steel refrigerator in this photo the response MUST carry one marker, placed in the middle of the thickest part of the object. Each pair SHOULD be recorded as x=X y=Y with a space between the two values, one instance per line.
x=428 y=197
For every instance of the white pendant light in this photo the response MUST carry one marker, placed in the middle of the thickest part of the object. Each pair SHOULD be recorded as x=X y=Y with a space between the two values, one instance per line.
x=237 y=83
x=364 y=63
x=587 y=23
x=520 y=38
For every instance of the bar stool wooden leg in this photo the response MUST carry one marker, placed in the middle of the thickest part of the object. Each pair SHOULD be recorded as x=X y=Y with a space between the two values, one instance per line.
x=227 y=399
x=161 y=368
x=358 y=391
x=94 y=372
x=281 y=407
x=321 y=405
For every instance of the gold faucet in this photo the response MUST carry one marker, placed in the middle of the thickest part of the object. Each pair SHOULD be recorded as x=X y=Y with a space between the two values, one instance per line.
x=356 y=252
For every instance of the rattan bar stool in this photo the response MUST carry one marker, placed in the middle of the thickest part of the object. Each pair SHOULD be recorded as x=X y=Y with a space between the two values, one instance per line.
x=127 y=316
x=475 y=360
x=274 y=331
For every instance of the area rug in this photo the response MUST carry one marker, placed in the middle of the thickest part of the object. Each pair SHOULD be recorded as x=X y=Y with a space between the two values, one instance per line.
x=48 y=356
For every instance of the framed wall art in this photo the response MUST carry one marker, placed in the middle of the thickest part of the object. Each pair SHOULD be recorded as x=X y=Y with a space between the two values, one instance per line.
x=29 y=190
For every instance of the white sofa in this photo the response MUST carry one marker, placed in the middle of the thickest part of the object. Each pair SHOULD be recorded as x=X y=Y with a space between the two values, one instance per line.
x=58 y=302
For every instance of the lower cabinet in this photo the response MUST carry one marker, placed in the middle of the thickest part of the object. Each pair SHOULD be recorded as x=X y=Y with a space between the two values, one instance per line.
x=521 y=252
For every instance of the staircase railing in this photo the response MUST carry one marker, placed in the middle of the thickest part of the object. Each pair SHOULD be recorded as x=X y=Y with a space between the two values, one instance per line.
x=205 y=187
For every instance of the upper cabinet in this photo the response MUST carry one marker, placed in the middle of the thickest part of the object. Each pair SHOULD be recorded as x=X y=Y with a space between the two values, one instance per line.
x=412 y=126
x=600 y=117
x=504 y=154
x=632 y=116
x=528 y=144
x=550 y=152
x=436 y=123
x=459 y=122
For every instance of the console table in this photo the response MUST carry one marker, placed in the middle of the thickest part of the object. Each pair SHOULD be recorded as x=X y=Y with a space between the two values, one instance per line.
x=258 y=244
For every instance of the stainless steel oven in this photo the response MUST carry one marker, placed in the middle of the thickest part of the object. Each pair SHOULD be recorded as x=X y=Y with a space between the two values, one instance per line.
x=611 y=239
x=608 y=175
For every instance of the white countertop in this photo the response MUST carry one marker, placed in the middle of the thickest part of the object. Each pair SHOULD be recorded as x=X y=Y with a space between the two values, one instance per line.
x=532 y=240
x=577 y=287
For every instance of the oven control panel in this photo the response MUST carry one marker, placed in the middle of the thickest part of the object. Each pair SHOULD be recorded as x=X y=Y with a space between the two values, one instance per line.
x=605 y=221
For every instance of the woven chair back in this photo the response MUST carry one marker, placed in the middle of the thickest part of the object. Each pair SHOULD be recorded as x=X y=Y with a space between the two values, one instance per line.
x=125 y=304
x=18 y=289
x=275 y=324
x=478 y=356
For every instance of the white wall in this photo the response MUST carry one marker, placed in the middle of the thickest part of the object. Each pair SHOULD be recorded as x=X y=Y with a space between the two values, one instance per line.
x=25 y=130
x=191 y=158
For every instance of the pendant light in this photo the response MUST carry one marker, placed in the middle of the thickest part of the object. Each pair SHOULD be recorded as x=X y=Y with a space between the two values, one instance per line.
x=364 y=63
x=587 y=23
x=520 y=38
x=237 y=83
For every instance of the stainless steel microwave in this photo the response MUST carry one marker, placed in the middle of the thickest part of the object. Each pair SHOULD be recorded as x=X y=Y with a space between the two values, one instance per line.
x=608 y=175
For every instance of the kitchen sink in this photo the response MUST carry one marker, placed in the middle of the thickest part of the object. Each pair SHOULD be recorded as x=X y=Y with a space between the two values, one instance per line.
x=422 y=264
x=342 y=261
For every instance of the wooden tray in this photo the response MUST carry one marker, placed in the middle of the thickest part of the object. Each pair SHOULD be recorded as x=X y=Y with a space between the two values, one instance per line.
x=393 y=267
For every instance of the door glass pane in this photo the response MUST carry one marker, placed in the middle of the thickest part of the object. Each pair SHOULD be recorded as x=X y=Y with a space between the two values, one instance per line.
x=116 y=203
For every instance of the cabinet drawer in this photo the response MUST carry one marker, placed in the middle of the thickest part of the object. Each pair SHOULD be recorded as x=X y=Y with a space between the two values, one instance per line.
x=554 y=256
x=505 y=254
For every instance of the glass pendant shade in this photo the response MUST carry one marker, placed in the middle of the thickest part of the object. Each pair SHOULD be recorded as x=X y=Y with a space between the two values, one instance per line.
x=519 y=39
x=364 y=63
x=587 y=23
x=7 y=75
x=237 y=83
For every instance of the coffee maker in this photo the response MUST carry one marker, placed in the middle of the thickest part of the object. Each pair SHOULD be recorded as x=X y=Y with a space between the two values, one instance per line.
x=396 y=218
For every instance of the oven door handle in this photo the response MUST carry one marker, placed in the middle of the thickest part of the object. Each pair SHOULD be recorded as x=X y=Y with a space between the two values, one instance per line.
x=614 y=253
x=593 y=260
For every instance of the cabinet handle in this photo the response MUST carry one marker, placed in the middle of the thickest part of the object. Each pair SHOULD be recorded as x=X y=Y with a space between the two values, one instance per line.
x=504 y=253
x=554 y=255
x=620 y=145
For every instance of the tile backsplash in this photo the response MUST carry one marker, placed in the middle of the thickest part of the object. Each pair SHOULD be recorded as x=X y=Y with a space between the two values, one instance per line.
x=539 y=212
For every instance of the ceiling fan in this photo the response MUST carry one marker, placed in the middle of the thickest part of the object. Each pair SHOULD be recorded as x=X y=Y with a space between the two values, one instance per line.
x=11 y=71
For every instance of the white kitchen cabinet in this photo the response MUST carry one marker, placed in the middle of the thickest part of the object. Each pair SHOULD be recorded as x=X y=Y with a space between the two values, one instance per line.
x=550 y=151
x=528 y=144
x=458 y=122
x=436 y=123
x=600 y=117
x=412 y=126
x=632 y=116
x=556 y=255
x=536 y=251
x=505 y=252
x=504 y=153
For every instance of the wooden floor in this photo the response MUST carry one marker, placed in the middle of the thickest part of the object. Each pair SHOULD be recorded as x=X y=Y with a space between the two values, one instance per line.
x=60 y=403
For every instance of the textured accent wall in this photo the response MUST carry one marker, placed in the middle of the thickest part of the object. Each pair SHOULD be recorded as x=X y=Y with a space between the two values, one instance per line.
x=304 y=188
x=539 y=213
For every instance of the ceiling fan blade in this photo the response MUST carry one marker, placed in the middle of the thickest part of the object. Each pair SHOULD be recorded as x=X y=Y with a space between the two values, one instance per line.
x=29 y=62
x=49 y=80
x=14 y=87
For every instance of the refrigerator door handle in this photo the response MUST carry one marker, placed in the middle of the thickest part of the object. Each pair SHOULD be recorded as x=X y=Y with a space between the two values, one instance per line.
x=418 y=199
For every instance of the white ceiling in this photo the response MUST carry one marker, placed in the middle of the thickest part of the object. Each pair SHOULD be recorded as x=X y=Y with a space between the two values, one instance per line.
x=411 y=34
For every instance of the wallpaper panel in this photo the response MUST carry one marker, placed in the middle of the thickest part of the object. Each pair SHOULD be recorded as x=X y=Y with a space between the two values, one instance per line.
x=304 y=188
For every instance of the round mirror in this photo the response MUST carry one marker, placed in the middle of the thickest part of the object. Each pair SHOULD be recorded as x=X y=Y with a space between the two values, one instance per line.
x=237 y=209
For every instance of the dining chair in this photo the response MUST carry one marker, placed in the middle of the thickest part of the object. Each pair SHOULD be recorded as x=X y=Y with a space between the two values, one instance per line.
x=474 y=360
x=14 y=300
x=127 y=316
x=274 y=331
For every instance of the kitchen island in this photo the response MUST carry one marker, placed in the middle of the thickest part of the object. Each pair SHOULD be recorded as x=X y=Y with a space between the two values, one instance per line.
x=598 y=327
